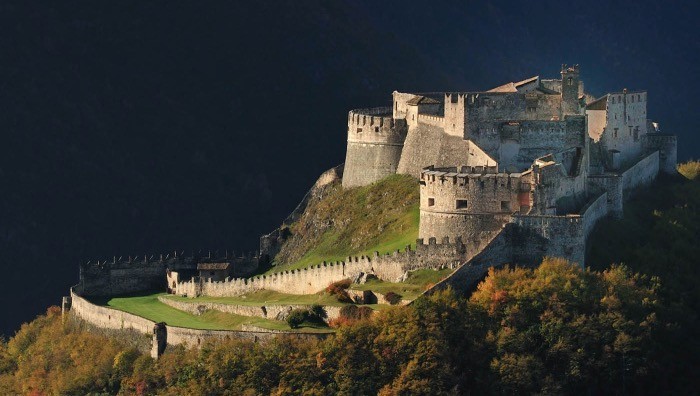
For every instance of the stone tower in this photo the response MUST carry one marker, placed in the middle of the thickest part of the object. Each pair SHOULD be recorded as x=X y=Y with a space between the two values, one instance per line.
x=375 y=141
x=570 y=81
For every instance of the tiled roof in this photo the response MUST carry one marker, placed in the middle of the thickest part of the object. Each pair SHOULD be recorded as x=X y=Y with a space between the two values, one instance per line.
x=513 y=86
x=598 y=104
x=422 y=100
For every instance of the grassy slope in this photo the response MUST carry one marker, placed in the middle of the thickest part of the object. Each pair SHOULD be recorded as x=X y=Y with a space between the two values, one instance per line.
x=381 y=217
x=149 y=307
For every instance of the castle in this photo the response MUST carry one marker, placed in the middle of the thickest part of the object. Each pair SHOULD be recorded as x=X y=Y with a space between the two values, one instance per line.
x=540 y=154
x=507 y=176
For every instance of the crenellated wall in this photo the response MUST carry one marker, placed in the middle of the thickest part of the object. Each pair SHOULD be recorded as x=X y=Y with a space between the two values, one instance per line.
x=131 y=275
x=526 y=241
x=375 y=141
x=310 y=280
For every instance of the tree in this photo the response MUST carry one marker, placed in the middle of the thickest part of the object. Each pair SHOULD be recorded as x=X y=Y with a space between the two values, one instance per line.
x=559 y=329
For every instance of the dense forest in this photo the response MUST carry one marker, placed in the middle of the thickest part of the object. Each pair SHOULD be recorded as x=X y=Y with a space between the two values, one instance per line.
x=627 y=325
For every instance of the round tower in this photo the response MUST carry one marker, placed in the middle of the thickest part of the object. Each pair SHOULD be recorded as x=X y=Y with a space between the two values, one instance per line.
x=375 y=141
x=470 y=202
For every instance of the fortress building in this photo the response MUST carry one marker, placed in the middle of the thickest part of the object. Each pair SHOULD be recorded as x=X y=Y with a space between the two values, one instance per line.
x=535 y=153
x=507 y=176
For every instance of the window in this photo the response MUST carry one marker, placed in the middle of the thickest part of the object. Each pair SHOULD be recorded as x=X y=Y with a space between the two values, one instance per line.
x=505 y=206
x=376 y=129
x=613 y=100
x=431 y=201
x=615 y=133
x=632 y=98
x=359 y=130
x=461 y=204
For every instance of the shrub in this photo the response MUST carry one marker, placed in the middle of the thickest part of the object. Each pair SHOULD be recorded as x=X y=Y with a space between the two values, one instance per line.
x=690 y=169
x=338 y=289
x=297 y=317
x=355 y=313
x=317 y=314
x=350 y=314
x=393 y=298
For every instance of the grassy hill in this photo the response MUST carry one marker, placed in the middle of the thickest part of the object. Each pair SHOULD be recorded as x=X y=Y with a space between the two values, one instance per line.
x=379 y=217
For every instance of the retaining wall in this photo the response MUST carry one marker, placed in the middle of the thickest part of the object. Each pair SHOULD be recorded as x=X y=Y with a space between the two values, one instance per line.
x=108 y=318
x=113 y=319
x=276 y=312
x=640 y=174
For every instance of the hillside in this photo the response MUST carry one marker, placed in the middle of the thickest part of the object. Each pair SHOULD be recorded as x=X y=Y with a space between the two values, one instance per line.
x=380 y=217
x=554 y=330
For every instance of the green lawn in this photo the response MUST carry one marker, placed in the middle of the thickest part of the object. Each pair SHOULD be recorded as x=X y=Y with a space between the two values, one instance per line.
x=149 y=307
x=417 y=282
x=266 y=297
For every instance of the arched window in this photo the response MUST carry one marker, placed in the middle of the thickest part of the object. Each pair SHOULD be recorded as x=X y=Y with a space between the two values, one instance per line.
x=571 y=81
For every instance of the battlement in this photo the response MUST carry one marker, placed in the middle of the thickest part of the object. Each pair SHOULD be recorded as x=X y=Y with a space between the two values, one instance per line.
x=569 y=69
x=176 y=259
x=389 y=267
x=430 y=119
x=375 y=126
x=130 y=274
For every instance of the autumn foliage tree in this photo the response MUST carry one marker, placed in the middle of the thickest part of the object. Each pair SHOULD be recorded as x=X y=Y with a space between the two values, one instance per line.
x=560 y=329
x=554 y=329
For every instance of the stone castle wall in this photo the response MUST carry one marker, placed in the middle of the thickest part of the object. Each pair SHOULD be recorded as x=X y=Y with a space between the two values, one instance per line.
x=641 y=174
x=108 y=318
x=113 y=319
x=667 y=145
x=274 y=312
x=119 y=276
x=611 y=184
x=515 y=144
x=375 y=141
x=310 y=280
x=526 y=241
x=428 y=144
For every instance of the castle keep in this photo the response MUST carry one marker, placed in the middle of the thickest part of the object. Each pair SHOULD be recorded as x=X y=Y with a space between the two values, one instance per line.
x=507 y=176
